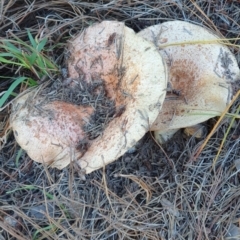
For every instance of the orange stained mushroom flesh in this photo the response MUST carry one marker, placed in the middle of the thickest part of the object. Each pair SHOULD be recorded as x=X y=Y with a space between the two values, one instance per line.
x=115 y=87
x=202 y=72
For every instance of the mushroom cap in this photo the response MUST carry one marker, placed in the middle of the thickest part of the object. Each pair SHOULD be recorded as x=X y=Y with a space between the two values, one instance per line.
x=105 y=59
x=50 y=133
x=135 y=77
x=200 y=75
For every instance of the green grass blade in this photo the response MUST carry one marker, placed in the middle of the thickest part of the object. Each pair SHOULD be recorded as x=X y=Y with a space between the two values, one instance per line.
x=11 y=48
x=4 y=60
x=26 y=187
x=40 y=63
x=50 y=65
x=19 y=153
x=41 y=45
x=7 y=55
x=32 y=58
x=32 y=83
x=44 y=229
x=10 y=90
x=32 y=40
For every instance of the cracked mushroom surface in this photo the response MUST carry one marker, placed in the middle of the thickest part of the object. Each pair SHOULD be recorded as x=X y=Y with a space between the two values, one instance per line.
x=114 y=90
x=201 y=74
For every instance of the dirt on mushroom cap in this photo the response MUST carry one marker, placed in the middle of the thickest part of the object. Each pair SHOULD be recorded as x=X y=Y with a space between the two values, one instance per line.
x=201 y=71
x=50 y=132
x=113 y=91
x=128 y=65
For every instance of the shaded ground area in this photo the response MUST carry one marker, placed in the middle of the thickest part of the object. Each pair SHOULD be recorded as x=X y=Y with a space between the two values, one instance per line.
x=152 y=192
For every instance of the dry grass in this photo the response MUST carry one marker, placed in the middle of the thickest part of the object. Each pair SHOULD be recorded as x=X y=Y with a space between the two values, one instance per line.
x=140 y=196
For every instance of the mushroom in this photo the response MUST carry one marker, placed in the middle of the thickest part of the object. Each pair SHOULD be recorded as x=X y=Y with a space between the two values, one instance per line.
x=133 y=71
x=117 y=82
x=201 y=71
x=51 y=133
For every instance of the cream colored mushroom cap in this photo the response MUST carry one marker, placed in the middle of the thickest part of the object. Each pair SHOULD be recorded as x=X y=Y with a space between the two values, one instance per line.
x=135 y=77
x=48 y=132
x=200 y=75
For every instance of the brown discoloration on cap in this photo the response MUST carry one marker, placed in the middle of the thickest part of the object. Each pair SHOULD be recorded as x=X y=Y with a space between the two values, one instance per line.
x=130 y=79
x=60 y=132
x=200 y=75
x=52 y=133
x=99 y=57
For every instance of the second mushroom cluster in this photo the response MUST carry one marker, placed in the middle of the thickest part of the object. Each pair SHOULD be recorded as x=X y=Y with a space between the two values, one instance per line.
x=119 y=86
